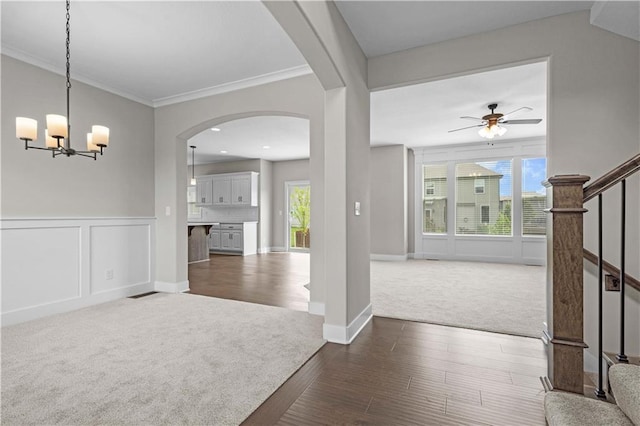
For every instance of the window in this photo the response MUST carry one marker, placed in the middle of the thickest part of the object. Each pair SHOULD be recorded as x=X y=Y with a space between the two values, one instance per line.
x=434 y=208
x=485 y=214
x=483 y=198
x=534 y=198
x=429 y=188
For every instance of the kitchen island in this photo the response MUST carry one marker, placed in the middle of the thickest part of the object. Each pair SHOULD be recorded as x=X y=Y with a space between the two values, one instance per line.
x=198 y=235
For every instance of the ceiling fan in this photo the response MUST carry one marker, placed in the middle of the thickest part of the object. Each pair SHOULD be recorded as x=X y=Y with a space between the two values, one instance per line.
x=492 y=124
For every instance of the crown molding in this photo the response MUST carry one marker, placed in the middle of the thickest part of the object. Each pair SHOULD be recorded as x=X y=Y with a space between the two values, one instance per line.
x=235 y=85
x=169 y=100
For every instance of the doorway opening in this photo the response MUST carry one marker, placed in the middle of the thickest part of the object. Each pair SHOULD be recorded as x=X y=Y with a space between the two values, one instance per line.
x=298 y=207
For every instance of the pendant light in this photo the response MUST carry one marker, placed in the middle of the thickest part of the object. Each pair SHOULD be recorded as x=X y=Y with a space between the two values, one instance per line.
x=193 y=164
x=58 y=133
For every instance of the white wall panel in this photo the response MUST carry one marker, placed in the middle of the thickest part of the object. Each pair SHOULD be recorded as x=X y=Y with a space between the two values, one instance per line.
x=534 y=251
x=120 y=256
x=57 y=265
x=484 y=249
x=39 y=266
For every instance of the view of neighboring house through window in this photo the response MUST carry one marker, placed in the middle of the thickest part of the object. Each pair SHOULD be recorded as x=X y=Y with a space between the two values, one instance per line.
x=483 y=198
x=434 y=199
x=534 y=219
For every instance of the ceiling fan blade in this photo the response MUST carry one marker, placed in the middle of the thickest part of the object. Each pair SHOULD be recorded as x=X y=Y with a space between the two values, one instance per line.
x=464 y=128
x=518 y=111
x=466 y=117
x=525 y=121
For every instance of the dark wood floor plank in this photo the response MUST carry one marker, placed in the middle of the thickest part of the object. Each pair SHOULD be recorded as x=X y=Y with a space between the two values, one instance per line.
x=396 y=372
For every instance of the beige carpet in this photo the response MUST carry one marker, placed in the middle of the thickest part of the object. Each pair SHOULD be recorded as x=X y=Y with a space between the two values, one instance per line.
x=484 y=296
x=160 y=359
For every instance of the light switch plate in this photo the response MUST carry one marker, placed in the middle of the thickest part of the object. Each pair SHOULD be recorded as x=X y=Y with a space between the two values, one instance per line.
x=357 y=208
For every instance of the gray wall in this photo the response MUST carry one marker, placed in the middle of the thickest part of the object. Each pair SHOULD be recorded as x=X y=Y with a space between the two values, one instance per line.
x=285 y=171
x=118 y=184
x=265 y=238
x=593 y=79
x=175 y=124
x=389 y=200
x=411 y=190
x=228 y=167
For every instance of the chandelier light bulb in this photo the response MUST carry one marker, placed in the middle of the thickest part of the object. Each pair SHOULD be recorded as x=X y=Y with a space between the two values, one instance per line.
x=50 y=142
x=26 y=128
x=100 y=135
x=57 y=126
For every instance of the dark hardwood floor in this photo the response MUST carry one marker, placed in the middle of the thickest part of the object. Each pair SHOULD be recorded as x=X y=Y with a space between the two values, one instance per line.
x=395 y=372
x=275 y=279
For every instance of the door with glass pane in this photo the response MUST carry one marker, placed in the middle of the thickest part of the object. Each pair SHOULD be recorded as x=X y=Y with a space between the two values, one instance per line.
x=298 y=227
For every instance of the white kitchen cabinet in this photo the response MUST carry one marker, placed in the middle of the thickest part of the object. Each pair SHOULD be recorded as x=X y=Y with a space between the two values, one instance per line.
x=235 y=189
x=221 y=190
x=234 y=238
x=244 y=189
x=204 y=190
x=214 y=239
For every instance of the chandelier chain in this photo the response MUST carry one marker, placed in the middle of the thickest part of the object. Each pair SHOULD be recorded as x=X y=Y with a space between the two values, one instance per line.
x=67 y=44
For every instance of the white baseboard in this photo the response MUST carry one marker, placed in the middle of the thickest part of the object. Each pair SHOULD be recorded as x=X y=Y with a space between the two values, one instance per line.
x=44 y=310
x=199 y=261
x=278 y=249
x=166 y=287
x=389 y=257
x=345 y=335
x=316 y=308
x=264 y=250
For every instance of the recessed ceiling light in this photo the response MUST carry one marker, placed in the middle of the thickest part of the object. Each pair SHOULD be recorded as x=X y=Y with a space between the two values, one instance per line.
x=223 y=152
x=266 y=147
x=215 y=129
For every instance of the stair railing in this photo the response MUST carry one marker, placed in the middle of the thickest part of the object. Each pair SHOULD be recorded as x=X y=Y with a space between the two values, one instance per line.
x=617 y=176
x=565 y=273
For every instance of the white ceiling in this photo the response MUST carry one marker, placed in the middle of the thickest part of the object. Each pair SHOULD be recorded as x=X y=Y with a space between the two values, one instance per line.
x=383 y=27
x=286 y=138
x=422 y=114
x=169 y=51
x=154 y=52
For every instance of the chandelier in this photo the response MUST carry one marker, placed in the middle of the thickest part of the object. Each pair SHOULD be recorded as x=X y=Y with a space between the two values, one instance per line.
x=58 y=132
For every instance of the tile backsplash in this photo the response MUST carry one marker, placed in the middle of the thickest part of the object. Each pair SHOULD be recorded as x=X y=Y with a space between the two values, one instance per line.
x=229 y=214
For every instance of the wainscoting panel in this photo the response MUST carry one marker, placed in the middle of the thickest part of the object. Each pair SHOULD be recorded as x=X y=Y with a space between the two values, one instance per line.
x=58 y=265
x=40 y=266
x=120 y=257
x=534 y=251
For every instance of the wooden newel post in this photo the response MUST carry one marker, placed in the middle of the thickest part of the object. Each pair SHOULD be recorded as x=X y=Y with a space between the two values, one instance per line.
x=564 y=332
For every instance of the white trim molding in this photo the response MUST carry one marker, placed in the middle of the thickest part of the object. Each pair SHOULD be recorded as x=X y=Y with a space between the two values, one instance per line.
x=79 y=262
x=316 y=308
x=345 y=335
x=166 y=287
x=389 y=257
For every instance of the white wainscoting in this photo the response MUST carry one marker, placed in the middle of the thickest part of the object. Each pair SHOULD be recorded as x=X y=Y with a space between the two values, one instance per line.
x=57 y=265
x=527 y=250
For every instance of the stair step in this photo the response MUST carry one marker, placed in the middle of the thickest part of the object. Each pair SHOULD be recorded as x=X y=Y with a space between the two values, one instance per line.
x=611 y=359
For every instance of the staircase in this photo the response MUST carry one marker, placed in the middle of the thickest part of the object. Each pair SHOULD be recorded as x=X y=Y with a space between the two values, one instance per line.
x=567 y=409
x=567 y=404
